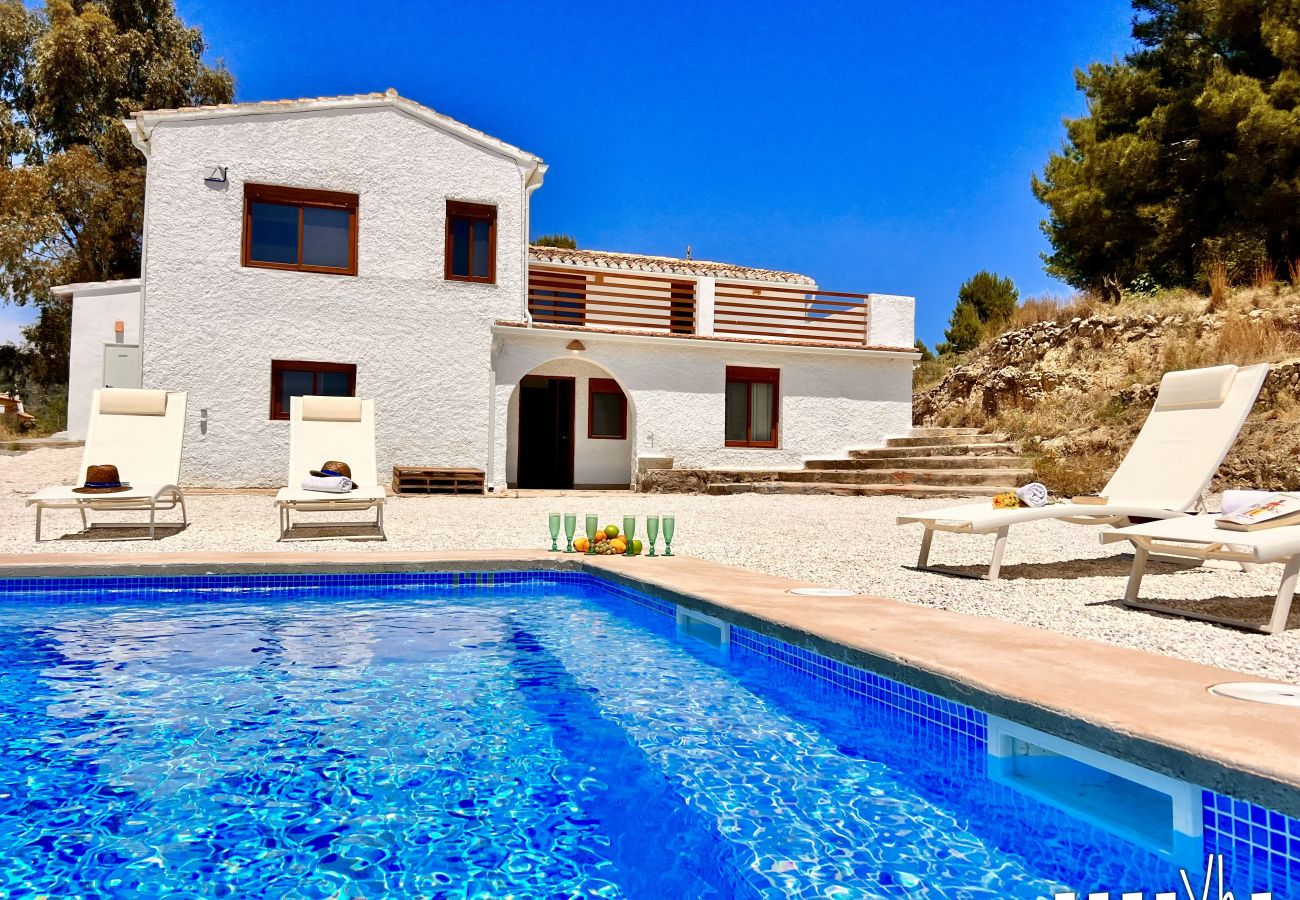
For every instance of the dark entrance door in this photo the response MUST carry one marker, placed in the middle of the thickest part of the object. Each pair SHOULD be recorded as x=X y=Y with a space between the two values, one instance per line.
x=545 y=432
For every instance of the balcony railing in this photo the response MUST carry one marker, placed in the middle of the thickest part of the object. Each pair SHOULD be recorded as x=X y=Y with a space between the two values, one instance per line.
x=793 y=313
x=675 y=305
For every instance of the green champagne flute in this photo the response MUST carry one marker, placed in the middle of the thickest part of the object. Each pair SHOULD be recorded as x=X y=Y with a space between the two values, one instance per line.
x=670 y=522
x=570 y=526
x=629 y=529
x=591 y=534
x=554 y=521
x=652 y=532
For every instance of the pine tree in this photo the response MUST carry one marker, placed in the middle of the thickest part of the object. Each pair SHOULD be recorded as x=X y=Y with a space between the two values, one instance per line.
x=1190 y=152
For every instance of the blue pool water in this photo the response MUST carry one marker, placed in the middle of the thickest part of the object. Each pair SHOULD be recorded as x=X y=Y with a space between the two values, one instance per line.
x=544 y=739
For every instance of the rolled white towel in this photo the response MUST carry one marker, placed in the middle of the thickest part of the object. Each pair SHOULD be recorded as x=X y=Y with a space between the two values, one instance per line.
x=327 y=484
x=1033 y=494
x=1236 y=501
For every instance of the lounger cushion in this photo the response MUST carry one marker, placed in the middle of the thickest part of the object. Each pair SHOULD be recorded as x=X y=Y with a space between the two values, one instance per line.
x=1195 y=388
x=132 y=402
x=331 y=409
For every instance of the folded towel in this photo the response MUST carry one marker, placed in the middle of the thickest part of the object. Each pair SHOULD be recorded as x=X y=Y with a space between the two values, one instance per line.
x=1033 y=495
x=327 y=484
x=1236 y=501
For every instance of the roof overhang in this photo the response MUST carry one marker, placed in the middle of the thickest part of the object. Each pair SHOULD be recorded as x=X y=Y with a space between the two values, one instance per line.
x=560 y=333
x=94 y=288
x=141 y=124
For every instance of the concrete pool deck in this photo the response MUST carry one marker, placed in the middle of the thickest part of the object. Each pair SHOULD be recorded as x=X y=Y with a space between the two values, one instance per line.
x=1148 y=709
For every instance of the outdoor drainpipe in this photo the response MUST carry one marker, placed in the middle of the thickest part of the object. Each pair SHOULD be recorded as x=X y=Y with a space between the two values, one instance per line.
x=135 y=128
x=532 y=180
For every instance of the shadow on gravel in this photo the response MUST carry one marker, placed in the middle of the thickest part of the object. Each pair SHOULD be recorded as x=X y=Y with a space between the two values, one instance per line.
x=1095 y=567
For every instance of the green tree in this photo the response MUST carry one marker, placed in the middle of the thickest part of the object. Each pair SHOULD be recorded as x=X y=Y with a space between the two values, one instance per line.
x=964 y=329
x=1190 y=151
x=926 y=355
x=563 y=241
x=71 y=183
x=993 y=296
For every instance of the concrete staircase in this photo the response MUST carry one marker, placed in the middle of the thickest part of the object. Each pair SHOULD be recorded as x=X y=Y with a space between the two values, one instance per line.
x=927 y=462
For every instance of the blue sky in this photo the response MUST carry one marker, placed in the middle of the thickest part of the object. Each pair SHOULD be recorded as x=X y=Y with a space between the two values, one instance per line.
x=876 y=146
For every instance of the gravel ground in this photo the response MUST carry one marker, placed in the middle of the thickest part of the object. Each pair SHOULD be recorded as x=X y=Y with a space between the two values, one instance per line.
x=1056 y=576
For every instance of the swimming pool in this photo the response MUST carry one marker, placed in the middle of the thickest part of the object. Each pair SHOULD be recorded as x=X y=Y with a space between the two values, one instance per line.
x=510 y=735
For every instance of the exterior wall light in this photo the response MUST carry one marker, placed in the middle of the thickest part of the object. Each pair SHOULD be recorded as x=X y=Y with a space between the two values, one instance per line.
x=575 y=346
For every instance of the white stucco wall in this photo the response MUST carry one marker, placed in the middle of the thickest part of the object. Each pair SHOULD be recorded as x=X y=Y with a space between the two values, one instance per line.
x=599 y=462
x=95 y=310
x=831 y=401
x=421 y=344
x=892 y=321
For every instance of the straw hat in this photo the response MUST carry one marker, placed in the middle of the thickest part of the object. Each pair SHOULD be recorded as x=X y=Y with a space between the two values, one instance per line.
x=102 y=480
x=334 y=468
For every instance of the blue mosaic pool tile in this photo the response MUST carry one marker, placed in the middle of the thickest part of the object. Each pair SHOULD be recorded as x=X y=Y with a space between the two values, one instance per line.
x=947 y=715
x=1264 y=844
x=632 y=595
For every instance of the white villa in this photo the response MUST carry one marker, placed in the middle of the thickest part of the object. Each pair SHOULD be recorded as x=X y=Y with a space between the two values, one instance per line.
x=368 y=245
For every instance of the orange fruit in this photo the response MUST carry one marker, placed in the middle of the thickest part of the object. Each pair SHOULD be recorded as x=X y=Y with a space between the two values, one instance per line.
x=618 y=545
x=582 y=545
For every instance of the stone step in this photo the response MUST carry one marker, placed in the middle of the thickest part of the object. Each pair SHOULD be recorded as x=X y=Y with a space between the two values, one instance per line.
x=982 y=449
x=920 y=491
x=939 y=432
x=1006 y=477
x=944 y=440
x=966 y=461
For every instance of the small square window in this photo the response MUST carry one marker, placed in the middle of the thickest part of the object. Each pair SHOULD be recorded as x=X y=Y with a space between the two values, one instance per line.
x=292 y=378
x=606 y=410
x=471 y=242
x=753 y=404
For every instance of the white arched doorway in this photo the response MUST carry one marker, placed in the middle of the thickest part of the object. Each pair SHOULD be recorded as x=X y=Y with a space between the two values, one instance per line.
x=570 y=423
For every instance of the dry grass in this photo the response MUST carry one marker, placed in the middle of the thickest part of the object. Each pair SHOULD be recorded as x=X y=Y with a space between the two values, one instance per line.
x=1081 y=473
x=1051 y=308
x=1218 y=278
x=1293 y=271
x=1264 y=276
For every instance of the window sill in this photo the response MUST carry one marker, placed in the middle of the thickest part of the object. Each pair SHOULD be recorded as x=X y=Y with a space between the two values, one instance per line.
x=310 y=270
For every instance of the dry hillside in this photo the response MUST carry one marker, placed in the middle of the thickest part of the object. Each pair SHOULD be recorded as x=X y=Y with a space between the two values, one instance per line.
x=1073 y=382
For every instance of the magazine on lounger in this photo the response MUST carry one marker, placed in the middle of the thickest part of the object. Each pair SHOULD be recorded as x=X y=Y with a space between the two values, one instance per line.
x=1273 y=511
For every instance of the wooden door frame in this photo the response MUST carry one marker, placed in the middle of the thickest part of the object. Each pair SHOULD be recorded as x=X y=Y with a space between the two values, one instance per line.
x=573 y=435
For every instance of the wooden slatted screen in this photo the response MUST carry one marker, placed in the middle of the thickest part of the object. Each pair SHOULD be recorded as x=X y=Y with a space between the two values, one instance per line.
x=790 y=313
x=611 y=299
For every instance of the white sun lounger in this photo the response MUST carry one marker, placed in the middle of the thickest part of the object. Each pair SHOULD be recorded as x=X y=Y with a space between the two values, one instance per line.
x=1192 y=426
x=329 y=428
x=141 y=432
x=1197 y=537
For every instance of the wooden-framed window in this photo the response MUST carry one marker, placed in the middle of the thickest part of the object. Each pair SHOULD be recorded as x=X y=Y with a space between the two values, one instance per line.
x=753 y=406
x=606 y=410
x=297 y=378
x=471 y=253
x=300 y=230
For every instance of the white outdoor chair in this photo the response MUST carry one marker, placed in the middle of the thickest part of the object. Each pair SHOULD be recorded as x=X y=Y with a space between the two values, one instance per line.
x=141 y=432
x=1199 y=538
x=327 y=428
x=1196 y=418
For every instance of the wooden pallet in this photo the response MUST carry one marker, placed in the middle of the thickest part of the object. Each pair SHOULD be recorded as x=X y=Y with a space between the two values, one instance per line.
x=425 y=480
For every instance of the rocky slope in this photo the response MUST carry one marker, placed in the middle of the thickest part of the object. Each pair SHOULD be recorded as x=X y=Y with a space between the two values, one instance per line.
x=1075 y=390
